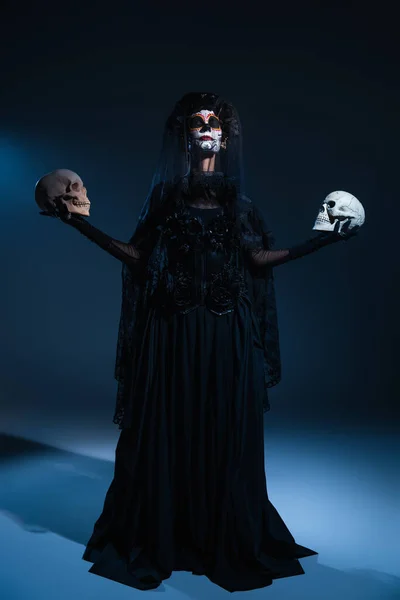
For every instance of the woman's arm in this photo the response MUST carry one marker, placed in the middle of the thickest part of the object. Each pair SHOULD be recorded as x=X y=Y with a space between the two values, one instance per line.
x=273 y=258
x=124 y=252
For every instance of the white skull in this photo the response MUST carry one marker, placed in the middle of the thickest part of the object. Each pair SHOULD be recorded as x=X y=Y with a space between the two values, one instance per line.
x=66 y=186
x=205 y=131
x=339 y=206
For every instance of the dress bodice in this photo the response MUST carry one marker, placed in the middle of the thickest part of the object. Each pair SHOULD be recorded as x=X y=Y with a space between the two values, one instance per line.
x=204 y=264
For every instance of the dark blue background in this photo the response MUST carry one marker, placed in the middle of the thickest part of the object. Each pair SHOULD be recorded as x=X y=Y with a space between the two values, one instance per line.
x=89 y=89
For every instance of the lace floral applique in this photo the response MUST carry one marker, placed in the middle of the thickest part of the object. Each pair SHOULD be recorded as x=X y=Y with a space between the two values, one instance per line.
x=225 y=288
x=184 y=233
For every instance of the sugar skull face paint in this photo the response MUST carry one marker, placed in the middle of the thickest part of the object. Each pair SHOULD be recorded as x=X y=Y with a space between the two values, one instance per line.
x=205 y=131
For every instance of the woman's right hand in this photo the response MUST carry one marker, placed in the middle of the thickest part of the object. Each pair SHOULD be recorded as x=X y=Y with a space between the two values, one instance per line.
x=58 y=210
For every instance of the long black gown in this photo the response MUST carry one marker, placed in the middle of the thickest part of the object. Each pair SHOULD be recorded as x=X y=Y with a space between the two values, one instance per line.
x=189 y=488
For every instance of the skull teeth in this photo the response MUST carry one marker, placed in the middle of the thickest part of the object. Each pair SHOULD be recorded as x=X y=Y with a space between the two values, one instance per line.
x=81 y=203
x=323 y=219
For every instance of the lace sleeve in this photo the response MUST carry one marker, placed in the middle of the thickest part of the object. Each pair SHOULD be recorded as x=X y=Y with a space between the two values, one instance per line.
x=125 y=252
x=273 y=258
x=258 y=241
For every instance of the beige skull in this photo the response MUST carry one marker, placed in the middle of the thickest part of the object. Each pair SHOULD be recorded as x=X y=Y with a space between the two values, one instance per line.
x=65 y=186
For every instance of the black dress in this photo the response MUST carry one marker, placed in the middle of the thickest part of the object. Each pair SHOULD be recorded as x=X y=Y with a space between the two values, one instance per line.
x=189 y=489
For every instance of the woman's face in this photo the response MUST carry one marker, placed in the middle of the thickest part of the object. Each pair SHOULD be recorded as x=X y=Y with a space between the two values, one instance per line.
x=205 y=131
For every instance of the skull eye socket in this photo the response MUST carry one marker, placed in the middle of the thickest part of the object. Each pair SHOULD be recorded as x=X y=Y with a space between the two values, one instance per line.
x=331 y=203
x=75 y=186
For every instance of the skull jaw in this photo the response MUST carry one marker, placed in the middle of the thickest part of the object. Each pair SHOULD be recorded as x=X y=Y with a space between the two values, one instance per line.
x=75 y=209
x=322 y=226
x=325 y=221
x=84 y=211
x=51 y=205
x=78 y=205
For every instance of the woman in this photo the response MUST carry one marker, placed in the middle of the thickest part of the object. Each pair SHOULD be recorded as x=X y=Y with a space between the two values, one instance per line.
x=198 y=348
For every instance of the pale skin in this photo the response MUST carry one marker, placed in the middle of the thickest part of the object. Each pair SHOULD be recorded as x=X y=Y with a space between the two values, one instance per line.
x=204 y=125
x=206 y=162
x=203 y=161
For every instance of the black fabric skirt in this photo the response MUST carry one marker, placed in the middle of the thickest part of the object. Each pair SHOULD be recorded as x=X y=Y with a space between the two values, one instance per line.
x=189 y=489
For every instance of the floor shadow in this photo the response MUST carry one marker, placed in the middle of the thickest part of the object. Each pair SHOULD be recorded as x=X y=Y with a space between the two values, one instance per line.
x=45 y=489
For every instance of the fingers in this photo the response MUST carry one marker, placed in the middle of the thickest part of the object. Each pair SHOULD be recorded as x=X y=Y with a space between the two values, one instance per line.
x=346 y=226
x=345 y=232
x=49 y=210
x=349 y=233
x=57 y=209
x=62 y=209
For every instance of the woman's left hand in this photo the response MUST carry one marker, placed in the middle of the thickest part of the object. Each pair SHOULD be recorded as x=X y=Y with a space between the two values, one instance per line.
x=346 y=233
x=330 y=237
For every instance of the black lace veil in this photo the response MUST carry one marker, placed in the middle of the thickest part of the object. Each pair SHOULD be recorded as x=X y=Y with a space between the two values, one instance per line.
x=172 y=180
x=174 y=164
